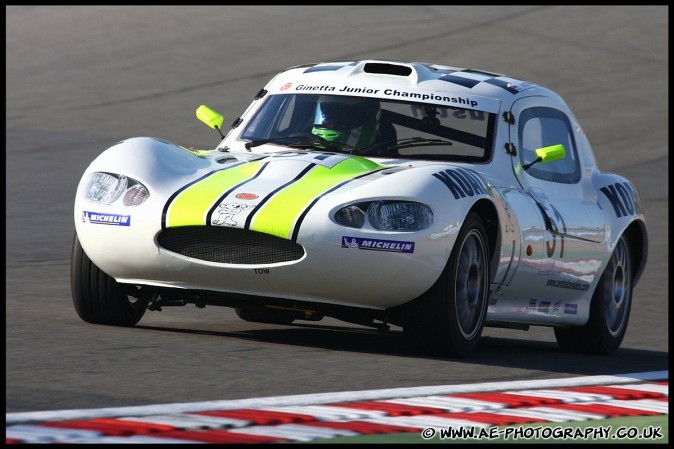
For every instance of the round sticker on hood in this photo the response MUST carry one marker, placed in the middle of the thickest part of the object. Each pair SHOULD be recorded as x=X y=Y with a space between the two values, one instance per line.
x=246 y=196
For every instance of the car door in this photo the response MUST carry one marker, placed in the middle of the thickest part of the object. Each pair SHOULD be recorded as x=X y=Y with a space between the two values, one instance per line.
x=564 y=265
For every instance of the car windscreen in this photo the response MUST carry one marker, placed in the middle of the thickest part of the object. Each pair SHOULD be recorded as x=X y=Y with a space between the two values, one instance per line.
x=374 y=127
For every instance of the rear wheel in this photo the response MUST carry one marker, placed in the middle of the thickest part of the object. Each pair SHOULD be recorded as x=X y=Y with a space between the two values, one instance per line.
x=97 y=297
x=449 y=318
x=609 y=310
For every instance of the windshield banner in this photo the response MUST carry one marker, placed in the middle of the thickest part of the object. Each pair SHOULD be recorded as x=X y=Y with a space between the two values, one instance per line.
x=415 y=95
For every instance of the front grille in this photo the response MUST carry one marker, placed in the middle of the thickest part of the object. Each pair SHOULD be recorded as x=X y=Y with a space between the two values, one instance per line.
x=228 y=245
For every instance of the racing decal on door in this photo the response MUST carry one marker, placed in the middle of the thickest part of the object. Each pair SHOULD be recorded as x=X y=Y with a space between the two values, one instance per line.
x=462 y=182
x=555 y=219
x=277 y=195
x=571 y=285
x=549 y=308
x=570 y=309
x=623 y=198
x=554 y=224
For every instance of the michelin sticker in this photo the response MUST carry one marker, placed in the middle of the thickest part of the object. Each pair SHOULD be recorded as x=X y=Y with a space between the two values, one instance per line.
x=106 y=219
x=377 y=245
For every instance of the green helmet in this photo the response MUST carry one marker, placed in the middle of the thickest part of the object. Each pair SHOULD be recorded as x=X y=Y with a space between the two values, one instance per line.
x=350 y=120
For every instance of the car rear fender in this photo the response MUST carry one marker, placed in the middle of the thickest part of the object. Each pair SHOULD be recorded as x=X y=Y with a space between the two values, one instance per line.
x=624 y=213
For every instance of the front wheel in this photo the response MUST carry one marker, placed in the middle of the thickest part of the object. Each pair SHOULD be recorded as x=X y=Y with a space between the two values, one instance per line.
x=449 y=318
x=609 y=310
x=97 y=297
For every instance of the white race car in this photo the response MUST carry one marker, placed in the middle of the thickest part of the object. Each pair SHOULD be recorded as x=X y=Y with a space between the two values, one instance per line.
x=431 y=197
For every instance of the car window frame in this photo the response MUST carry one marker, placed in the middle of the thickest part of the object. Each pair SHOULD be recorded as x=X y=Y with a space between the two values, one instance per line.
x=536 y=171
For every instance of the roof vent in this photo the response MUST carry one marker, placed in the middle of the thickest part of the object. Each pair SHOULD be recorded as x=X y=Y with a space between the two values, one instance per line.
x=387 y=69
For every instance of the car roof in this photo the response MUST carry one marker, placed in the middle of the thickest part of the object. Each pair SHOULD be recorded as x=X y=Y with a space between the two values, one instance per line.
x=375 y=74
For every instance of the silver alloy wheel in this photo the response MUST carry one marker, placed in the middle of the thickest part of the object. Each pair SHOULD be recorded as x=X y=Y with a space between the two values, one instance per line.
x=618 y=293
x=471 y=284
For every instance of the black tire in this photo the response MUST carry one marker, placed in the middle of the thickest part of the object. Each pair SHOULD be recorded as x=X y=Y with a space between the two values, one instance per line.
x=448 y=319
x=609 y=309
x=264 y=315
x=97 y=297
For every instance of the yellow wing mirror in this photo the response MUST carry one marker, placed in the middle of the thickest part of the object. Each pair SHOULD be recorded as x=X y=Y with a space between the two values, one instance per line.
x=553 y=153
x=210 y=117
x=548 y=154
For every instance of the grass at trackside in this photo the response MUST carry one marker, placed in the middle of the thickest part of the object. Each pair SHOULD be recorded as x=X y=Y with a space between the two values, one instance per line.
x=641 y=425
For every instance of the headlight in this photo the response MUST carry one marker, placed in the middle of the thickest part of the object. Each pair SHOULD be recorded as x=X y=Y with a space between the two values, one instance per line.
x=135 y=195
x=386 y=215
x=352 y=216
x=108 y=187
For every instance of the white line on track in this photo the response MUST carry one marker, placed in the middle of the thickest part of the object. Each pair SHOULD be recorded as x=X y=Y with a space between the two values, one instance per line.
x=324 y=398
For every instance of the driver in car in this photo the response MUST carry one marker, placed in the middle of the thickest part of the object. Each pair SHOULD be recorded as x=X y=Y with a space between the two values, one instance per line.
x=354 y=121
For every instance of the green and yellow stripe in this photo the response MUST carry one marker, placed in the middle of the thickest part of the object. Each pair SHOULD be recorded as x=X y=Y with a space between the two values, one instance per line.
x=278 y=213
x=189 y=207
x=277 y=216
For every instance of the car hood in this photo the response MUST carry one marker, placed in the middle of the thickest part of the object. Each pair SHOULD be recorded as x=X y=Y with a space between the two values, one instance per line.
x=266 y=194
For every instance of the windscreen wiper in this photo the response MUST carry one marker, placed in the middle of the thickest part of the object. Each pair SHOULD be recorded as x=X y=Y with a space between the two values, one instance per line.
x=311 y=141
x=418 y=142
x=402 y=143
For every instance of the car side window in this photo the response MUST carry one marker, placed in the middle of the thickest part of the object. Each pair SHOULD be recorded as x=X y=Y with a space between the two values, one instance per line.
x=541 y=127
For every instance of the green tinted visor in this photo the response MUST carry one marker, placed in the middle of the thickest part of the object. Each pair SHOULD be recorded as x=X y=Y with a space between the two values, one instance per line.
x=331 y=135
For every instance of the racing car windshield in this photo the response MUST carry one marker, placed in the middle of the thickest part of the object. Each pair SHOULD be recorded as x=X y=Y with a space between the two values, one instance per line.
x=372 y=127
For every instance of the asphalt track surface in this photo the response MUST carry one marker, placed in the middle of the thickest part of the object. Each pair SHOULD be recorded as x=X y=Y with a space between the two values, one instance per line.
x=81 y=78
